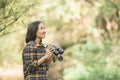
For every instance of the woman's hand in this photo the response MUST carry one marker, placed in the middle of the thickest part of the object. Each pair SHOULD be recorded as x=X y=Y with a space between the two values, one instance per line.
x=47 y=56
x=49 y=52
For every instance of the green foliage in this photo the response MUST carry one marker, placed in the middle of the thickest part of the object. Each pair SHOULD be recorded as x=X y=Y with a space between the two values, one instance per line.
x=77 y=72
x=11 y=11
x=110 y=8
x=11 y=49
x=88 y=30
x=98 y=63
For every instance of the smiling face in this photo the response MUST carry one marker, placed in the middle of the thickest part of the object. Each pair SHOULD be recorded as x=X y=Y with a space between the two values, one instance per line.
x=41 y=31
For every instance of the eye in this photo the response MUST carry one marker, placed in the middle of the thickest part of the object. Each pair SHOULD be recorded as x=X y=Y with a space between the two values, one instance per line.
x=42 y=28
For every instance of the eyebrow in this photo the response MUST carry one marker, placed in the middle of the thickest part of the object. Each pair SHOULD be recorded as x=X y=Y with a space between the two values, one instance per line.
x=42 y=27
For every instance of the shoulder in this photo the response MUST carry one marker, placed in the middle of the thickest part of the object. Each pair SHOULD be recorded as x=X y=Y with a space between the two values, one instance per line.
x=31 y=43
x=29 y=47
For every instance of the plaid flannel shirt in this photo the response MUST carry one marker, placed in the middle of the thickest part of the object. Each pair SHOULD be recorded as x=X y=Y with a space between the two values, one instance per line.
x=30 y=56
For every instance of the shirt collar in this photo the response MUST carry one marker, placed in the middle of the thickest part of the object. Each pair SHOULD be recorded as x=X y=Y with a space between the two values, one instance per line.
x=39 y=45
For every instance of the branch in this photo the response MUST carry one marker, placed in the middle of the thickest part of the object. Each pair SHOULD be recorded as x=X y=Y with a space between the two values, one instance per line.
x=6 y=26
x=7 y=33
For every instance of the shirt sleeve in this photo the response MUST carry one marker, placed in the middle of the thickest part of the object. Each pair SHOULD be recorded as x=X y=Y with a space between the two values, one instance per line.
x=28 y=58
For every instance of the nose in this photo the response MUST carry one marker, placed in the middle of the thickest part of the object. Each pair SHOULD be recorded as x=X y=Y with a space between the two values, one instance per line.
x=44 y=31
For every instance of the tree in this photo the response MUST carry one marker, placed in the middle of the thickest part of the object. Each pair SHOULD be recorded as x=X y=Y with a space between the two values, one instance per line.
x=11 y=11
x=108 y=20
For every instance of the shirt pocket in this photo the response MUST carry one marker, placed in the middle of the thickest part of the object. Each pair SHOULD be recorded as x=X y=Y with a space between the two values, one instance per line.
x=40 y=53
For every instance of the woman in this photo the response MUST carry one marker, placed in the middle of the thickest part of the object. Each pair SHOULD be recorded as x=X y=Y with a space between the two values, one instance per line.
x=36 y=57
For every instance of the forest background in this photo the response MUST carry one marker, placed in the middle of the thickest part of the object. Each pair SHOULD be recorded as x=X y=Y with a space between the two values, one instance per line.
x=88 y=31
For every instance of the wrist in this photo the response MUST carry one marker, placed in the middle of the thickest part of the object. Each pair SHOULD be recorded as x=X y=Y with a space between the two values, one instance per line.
x=45 y=57
x=41 y=60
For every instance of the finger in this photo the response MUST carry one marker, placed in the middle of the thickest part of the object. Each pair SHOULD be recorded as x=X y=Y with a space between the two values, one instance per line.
x=52 y=49
x=48 y=49
x=54 y=55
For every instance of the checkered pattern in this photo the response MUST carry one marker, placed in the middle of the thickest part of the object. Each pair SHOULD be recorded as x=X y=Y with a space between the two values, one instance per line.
x=30 y=56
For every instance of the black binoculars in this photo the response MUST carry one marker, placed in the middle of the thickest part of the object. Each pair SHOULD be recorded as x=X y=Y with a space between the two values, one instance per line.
x=57 y=52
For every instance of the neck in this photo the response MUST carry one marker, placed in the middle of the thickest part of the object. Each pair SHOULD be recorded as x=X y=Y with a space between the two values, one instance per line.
x=38 y=41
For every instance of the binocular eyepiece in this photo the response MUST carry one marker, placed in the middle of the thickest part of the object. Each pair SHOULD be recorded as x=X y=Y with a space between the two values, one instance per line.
x=57 y=52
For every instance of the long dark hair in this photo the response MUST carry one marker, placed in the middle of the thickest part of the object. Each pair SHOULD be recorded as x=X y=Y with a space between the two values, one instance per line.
x=31 y=31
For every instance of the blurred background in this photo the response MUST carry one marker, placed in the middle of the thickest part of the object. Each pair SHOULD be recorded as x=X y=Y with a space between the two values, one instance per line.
x=88 y=31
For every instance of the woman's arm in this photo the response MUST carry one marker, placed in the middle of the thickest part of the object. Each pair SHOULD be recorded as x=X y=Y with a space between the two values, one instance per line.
x=28 y=57
x=48 y=55
x=51 y=59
